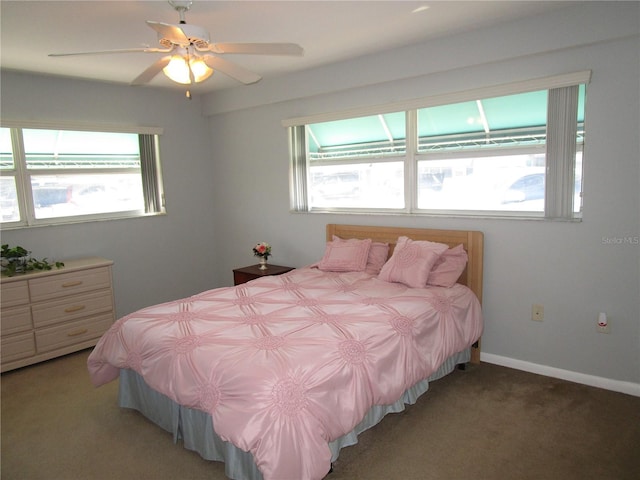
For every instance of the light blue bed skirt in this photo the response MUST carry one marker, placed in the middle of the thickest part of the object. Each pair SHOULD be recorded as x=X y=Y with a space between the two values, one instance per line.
x=195 y=427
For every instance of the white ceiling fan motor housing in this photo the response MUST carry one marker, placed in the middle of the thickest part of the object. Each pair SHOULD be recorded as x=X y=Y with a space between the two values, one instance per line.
x=194 y=34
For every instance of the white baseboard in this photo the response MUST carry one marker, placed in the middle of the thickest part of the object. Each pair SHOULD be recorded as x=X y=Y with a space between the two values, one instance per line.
x=591 y=380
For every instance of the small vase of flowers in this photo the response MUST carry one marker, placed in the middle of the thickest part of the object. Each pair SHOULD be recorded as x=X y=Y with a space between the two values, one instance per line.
x=262 y=250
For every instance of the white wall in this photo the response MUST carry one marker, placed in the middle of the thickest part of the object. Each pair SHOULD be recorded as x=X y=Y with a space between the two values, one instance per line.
x=568 y=267
x=156 y=258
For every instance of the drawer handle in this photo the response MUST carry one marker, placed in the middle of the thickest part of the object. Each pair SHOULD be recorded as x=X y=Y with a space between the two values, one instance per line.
x=77 y=332
x=72 y=284
x=75 y=308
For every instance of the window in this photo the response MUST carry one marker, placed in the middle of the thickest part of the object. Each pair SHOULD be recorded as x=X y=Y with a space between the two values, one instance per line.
x=517 y=154
x=350 y=160
x=59 y=176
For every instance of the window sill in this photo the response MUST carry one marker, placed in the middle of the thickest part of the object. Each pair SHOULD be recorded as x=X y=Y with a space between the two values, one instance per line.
x=448 y=215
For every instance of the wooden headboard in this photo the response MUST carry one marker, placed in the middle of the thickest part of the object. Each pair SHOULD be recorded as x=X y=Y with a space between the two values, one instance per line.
x=471 y=240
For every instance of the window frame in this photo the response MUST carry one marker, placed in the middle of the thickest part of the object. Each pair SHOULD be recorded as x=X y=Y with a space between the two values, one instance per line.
x=150 y=171
x=560 y=166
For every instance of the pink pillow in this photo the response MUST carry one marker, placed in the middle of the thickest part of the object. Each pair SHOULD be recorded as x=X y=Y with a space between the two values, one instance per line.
x=345 y=255
x=378 y=254
x=411 y=262
x=448 y=268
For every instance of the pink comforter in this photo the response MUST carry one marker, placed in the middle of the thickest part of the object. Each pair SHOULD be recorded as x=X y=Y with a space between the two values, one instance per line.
x=285 y=364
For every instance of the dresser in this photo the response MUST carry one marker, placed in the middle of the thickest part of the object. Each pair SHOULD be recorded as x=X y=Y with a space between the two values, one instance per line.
x=46 y=314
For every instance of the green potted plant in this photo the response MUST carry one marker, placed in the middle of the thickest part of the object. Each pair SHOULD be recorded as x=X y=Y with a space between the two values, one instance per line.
x=18 y=260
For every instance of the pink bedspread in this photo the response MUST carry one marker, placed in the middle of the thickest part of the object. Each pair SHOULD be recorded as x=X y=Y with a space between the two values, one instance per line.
x=285 y=364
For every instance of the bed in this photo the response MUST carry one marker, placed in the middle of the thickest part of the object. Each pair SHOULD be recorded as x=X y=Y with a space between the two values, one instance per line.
x=275 y=376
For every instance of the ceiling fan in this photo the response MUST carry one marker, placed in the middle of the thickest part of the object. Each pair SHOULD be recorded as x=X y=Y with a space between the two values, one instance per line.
x=189 y=52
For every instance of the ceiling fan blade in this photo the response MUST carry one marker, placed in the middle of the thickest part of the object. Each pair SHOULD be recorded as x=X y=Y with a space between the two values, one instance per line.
x=172 y=33
x=105 y=52
x=152 y=71
x=231 y=69
x=258 y=48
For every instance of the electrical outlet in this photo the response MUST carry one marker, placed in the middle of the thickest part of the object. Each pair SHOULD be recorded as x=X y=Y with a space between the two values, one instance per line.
x=603 y=325
x=537 y=312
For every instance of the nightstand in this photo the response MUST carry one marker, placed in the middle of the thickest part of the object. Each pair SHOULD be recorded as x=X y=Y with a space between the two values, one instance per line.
x=245 y=274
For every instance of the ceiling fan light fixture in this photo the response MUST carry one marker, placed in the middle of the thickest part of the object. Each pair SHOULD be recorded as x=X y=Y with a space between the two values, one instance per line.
x=201 y=71
x=178 y=69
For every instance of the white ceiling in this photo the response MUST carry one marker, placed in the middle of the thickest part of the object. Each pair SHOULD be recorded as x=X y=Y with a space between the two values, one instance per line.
x=329 y=31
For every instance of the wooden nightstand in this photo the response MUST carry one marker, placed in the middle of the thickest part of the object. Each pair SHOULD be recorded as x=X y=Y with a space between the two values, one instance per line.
x=245 y=274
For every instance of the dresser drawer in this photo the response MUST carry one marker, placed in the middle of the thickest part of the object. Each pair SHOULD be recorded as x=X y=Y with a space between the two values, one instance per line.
x=71 y=308
x=70 y=283
x=15 y=293
x=60 y=336
x=15 y=347
x=16 y=319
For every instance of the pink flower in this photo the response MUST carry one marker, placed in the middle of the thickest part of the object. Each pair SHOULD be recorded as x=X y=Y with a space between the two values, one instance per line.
x=262 y=249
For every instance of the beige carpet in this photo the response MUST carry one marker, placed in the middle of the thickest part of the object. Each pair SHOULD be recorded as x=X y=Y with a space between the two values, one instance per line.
x=488 y=422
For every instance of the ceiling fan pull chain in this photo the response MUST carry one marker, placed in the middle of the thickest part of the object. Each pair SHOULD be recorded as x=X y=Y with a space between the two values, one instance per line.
x=192 y=77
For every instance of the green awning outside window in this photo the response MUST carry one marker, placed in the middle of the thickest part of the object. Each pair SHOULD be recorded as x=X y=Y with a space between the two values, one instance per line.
x=511 y=119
